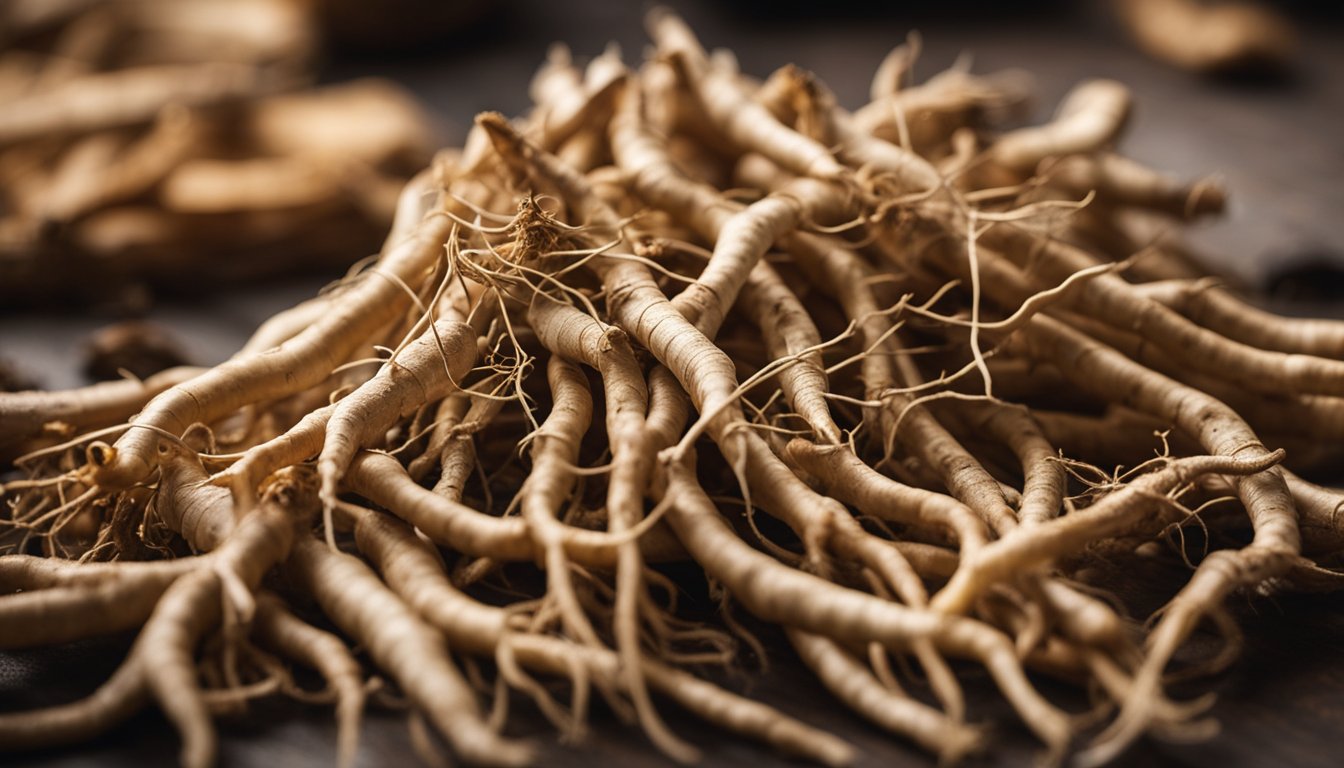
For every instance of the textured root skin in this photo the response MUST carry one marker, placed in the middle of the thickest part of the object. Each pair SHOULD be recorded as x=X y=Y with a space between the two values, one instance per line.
x=1041 y=543
x=1217 y=428
x=1085 y=619
x=413 y=654
x=284 y=326
x=1110 y=300
x=302 y=361
x=642 y=310
x=745 y=122
x=909 y=172
x=416 y=575
x=161 y=663
x=853 y=684
x=260 y=541
x=750 y=718
x=1215 y=308
x=1117 y=180
x=855 y=483
x=24 y=416
x=381 y=479
x=180 y=619
x=287 y=634
x=428 y=369
x=1217 y=575
x=1043 y=482
x=1319 y=509
x=568 y=332
x=844 y=614
x=554 y=450
x=300 y=442
x=26 y=572
x=921 y=435
x=62 y=614
x=789 y=332
x=448 y=417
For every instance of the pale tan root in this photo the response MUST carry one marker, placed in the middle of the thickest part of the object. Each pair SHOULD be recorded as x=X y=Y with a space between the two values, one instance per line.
x=1218 y=309
x=379 y=478
x=853 y=684
x=923 y=117
x=845 y=613
x=296 y=364
x=744 y=122
x=1089 y=118
x=412 y=653
x=1109 y=299
x=416 y=574
x=426 y=370
x=295 y=639
x=1118 y=180
x=30 y=420
x=1208 y=37
x=1116 y=513
x=573 y=334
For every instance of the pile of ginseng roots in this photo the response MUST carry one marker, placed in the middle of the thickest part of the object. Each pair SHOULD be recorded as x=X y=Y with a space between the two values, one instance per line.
x=180 y=144
x=917 y=391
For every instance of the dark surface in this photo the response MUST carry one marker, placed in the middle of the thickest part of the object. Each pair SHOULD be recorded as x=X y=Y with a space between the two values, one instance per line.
x=1277 y=145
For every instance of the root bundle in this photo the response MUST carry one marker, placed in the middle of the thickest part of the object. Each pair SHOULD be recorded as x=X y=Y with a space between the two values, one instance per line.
x=894 y=380
x=161 y=142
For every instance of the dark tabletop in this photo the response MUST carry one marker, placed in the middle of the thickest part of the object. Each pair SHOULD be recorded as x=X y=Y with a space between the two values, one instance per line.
x=1276 y=142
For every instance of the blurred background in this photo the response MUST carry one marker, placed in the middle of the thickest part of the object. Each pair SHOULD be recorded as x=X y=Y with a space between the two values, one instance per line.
x=173 y=172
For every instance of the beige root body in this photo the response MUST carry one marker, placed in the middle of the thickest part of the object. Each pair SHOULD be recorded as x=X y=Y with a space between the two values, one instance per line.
x=157 y=143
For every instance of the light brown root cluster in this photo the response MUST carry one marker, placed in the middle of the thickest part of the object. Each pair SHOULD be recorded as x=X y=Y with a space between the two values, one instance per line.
x=895 y=394
x=168 y=142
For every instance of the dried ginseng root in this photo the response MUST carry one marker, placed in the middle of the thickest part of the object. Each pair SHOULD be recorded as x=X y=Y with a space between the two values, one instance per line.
x=170 y=142
x=892 y=399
